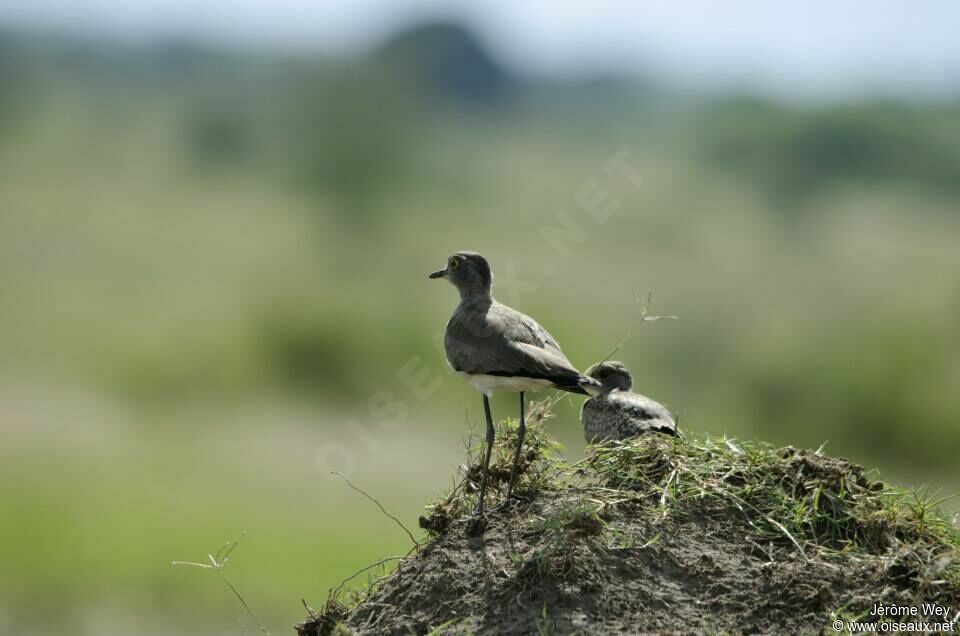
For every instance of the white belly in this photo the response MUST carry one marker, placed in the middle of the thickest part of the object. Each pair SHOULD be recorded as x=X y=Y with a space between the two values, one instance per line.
x=487 y=384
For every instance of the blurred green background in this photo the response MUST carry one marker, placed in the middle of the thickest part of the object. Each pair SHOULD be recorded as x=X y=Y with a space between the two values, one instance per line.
x=213 y=267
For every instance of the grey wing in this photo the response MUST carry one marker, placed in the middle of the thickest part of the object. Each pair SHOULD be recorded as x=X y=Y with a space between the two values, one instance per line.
x=521 y=328
x=503 y=341
x=640 y=406
x=538 y=354
x=646 y=415
x=623 y=416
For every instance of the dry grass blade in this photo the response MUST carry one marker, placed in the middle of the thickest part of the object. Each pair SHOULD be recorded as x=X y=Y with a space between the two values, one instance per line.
x=335 y=593
x=416 y=543
x=645 y=316
x=217 y=564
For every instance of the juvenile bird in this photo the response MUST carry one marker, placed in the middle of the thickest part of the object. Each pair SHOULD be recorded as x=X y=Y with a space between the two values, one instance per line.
x=497 y=348
x=617 y=412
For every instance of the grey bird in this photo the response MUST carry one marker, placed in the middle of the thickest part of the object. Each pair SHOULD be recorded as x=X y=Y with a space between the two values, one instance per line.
x=617 y=412
x=497 y=348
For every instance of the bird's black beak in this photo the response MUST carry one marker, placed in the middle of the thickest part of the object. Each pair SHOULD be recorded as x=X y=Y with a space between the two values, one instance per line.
x=440 y=274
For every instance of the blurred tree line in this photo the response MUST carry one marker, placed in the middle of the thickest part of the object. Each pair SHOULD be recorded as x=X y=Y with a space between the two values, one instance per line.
x=348 y=130
x=351 y=134
x=797 y=154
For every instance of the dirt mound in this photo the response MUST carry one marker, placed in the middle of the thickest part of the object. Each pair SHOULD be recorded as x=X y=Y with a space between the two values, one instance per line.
x=670 y=536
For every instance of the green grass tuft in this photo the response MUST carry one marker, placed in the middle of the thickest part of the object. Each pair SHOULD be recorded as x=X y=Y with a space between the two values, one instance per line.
x=821 y=506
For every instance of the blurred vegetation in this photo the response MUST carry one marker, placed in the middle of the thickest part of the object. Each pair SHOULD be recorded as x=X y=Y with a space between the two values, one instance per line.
x=211 y=261
x=357 y=140
x=15 y=80
x=447 y=63
x=795 y=158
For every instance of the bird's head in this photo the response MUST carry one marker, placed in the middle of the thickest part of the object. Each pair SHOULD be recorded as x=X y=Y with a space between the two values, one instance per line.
x=469 y=272
x=611 y=375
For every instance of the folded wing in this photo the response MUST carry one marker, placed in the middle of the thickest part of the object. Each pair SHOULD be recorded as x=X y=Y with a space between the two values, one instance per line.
x=503 y=341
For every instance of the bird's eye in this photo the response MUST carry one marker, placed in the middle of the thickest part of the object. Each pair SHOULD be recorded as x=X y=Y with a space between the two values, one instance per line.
x=454 y=263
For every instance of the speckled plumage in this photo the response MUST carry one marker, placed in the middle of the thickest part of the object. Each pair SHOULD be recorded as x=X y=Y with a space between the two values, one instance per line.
x=618 y=413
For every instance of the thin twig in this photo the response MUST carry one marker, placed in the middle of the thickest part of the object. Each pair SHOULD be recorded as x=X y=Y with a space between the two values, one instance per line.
x=244 y=603
x=336 y=591
x=644 y=317
x=312 y=613
x=380 y=506
x=541 y=411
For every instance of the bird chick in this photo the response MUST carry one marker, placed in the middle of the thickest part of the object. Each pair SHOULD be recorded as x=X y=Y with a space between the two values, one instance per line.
x=617 y=412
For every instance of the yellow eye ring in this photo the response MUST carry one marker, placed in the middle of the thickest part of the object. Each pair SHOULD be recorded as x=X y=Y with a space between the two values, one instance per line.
x=454 y=263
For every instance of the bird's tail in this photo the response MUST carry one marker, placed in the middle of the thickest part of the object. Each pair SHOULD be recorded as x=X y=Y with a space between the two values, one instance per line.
x=589 y=386
x=581 y=385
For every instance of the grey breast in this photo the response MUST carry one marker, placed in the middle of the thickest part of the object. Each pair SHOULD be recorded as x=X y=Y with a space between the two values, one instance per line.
x=623 y=415
x=497 y=340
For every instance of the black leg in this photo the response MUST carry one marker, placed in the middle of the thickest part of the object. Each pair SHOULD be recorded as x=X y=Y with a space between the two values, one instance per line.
x=516 y=456
x=486 y=459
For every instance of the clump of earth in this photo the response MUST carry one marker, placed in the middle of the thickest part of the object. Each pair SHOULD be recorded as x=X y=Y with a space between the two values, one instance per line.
x=664 y=536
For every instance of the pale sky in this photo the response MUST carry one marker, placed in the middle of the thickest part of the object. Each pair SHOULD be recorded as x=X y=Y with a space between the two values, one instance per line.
x=811 y=47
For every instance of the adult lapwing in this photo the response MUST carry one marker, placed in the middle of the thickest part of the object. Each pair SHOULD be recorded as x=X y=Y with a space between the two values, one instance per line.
x=619 y=413
x=497 y=348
